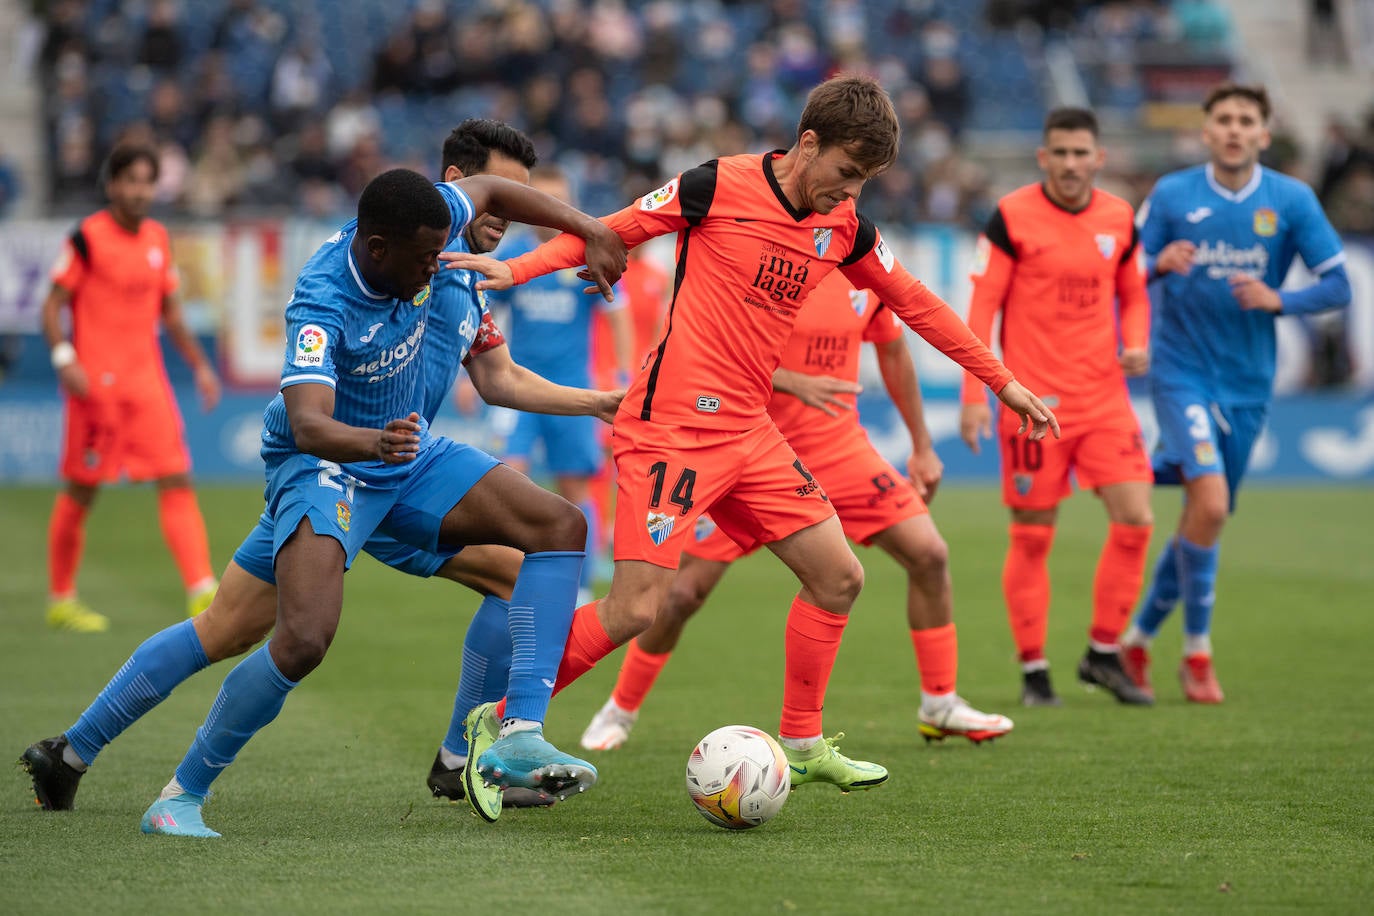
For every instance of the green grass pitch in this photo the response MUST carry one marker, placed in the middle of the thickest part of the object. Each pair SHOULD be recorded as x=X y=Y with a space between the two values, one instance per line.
x=1265 y=803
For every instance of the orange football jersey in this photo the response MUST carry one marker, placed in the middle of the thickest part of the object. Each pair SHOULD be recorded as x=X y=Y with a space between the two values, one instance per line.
x=1057 y=276
x=746 y=261
x=117 y=280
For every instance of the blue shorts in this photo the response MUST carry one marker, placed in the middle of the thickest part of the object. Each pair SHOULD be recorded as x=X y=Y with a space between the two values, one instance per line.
x=571 y=444
x=398 y=514
x=1199 y=436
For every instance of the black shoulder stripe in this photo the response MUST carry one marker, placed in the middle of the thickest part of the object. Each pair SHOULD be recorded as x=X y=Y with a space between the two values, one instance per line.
x=864 y=239
x=1130 y=249
x=698 y=190
x=78 y=240
x=997 y=234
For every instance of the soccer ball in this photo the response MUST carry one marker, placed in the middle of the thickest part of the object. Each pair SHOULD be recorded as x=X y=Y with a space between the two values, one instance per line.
x=737 y=777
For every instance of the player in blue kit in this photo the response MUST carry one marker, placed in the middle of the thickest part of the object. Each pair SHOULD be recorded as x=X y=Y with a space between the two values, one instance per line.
x=348 y=453
x=550 y=331
x=1220 y=239
x=460 y=330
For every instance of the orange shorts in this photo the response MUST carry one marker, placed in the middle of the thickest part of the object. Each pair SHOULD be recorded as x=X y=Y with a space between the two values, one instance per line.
x=868 y=493
x=755 y=487
x=1035 y=475
x=109 y=434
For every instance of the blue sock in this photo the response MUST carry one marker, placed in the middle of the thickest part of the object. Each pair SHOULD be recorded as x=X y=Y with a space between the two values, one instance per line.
x=1163 y=594
x=589 y=511
x=486 y=667
x=250 y=697
x=1198 y=573
x=541 y=612
x=154 y=670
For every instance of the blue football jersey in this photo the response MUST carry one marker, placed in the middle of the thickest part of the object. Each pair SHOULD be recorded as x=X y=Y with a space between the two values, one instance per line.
x=1200 y=333
x=364 y=344
x=549 y=329
x=456 y=313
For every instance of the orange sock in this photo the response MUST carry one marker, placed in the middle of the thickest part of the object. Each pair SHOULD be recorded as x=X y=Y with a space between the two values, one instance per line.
x=1026 y=588
x=66 y=538
x=1120 y=570
x=637 y=675
x=183 y=529
x=587 y=645
x=811 y=643
x=937 y=658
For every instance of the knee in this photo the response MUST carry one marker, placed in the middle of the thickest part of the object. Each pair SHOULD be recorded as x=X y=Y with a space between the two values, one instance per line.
x=1210 y=510
x=844 y=582
x=298 y=652
x=624 y=620
x=930 y=561
x=684 y=600
x=565 y=529
x=1137 y=517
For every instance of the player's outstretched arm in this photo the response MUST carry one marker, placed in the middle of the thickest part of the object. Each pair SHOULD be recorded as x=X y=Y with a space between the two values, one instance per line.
x=1032 y=411
x=310 y=410
x=604 y=253
x=502 y=382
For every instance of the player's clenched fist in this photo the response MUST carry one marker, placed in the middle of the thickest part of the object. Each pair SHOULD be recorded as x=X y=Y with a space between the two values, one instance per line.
x=400 y=440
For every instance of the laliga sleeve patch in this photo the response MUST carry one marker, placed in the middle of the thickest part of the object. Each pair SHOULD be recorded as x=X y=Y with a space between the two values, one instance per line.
x=311 y=342
x=884 y=254
x=660 y=198
x=982 y=254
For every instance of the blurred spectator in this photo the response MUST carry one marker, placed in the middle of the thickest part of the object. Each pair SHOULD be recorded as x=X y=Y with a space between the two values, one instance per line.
x=1325 y=44
x=217 y=174
x=363 y=163
x=161 y=45
x=301 y=84
x=355 y=116
x=167 y=115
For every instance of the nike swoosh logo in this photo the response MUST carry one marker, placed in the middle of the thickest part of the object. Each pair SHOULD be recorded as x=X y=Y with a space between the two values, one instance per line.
x=547 y=683
x=213 y=766
x=800 y=771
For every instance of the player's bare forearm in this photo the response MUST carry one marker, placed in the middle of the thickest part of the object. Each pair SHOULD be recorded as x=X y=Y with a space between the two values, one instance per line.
x=522 y=204
x=310 y=411
x=174 y=323
x=823 y=392
x=502 y=382
x=53 y=303
x=904 y=388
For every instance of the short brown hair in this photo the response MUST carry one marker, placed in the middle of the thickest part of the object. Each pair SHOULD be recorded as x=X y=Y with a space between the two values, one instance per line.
x=855 y=112
x=124 y=155
x=1067 y=118
x=1228 y=90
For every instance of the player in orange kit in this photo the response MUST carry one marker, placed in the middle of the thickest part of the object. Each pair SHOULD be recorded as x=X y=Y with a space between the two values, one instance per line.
x=814 y=407
x=1055 y=259
x=756 y=234
x=116 y=276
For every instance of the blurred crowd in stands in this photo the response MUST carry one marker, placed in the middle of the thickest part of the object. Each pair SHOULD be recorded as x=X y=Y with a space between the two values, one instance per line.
x=261 y=106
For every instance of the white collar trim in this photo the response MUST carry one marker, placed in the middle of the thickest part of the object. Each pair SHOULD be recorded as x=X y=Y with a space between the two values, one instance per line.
x=358 y=279
x=1226 y=193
